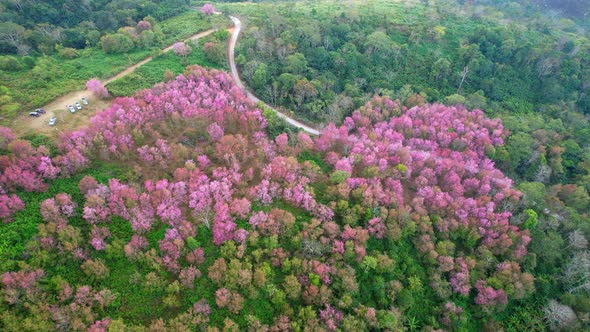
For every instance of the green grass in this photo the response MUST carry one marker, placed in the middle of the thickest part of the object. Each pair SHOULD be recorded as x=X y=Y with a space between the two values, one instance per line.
x=34 y=88
x=152 y=72
x=186 y=25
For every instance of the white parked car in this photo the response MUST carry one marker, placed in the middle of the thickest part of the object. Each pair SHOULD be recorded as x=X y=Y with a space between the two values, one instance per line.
x=84 y=101
x=71 y=108
x=52 y=120
x=78 y=106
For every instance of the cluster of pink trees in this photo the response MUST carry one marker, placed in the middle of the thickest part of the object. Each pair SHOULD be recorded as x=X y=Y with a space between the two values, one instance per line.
x=234 y=127
x=396 y=177
x=199 y=97
x=56 y=232
x=21 y=285
x=22 y=167
x=429 y=166
x=9 y=205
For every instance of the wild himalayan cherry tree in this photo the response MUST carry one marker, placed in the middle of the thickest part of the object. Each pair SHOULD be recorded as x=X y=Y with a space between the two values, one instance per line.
x=97 y=88
x=181 y=49
x=207 y=9
x=22 y=167
x=143 y=26
x=428 y=166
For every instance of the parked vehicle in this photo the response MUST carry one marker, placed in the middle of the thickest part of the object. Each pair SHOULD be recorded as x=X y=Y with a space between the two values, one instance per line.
x=84 y=101
x=35 y=114
x=71 y=108
x=78 y=106
x=40 y=111
x=52 y=120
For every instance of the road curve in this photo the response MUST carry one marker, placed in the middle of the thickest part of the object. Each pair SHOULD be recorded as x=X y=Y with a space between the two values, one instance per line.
x=234 y=73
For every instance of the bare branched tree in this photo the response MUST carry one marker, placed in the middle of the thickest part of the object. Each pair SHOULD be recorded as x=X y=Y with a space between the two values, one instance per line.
x=463 y=77
x=576 y=275
x=577 y=240
x=543 y=174
x=558 y=316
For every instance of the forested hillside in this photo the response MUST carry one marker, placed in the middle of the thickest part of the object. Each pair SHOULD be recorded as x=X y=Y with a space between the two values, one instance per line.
x=530 y=68
x=575 y=8
x=390 y=219
x=447 y=189
x=323 y=62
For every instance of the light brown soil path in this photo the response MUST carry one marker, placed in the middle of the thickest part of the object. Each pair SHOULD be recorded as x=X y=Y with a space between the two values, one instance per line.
x=59 y=107
x=68 y=121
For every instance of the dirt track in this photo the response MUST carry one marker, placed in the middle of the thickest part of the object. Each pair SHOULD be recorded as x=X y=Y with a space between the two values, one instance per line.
x=68 y=121
x=236 y=77
x=59 y=107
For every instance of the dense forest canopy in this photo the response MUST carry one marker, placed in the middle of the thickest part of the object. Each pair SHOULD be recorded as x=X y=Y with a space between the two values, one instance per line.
x=322 y=65
x=27 y=25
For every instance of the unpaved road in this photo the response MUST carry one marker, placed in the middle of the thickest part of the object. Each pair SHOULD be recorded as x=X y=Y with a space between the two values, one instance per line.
x=59 y=107
x=236 y=77
x=68 y=121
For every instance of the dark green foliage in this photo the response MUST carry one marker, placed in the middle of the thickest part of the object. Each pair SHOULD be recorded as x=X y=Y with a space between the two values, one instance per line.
x=391 y=45
x=75 y=21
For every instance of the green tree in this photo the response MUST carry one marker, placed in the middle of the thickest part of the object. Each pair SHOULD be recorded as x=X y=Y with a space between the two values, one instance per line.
x=296 y=64
x=260 y=77
x=441 y=70
x=116 y=43
x=519 y=149
x=12 y=37
x=380 y=47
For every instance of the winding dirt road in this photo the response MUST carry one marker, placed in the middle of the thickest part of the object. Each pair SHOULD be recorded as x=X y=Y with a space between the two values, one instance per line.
x=59 y=107
x=68 y=121
x=239 y=83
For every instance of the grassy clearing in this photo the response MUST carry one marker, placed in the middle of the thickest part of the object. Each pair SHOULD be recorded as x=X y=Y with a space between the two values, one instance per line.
x=152 y=72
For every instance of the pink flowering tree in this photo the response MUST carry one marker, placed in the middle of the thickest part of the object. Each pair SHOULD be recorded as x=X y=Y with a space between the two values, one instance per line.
x=135 y=246
x=143 y=26
x=207 y=9
x=21 y=285
x=58 y=208
x=98 y=236
x=181 y=49
x=97 y=88
x=331 y=317
x=215 y=132
x=170 y=249
x=9 y=205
